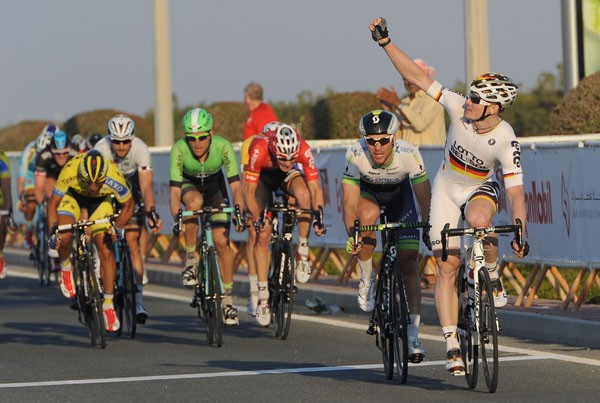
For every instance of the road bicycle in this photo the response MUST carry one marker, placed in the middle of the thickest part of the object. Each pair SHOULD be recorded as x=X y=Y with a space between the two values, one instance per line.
x=125 y=280
x=125 y=285
x=88 y=289
x=282 y=267
x=478 y=324
x=391 y=316
x=46 y=266
x=208 y=293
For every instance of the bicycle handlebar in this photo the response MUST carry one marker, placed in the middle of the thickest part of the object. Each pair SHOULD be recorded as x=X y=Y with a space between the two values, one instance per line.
x=382 y=227
x=83 y=224
x=447 y=232
x=201 y=211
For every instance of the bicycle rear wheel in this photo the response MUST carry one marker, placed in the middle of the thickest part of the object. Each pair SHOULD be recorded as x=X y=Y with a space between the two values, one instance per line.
x=400 y=322
x=284 y=294
x=129 y=290
x=41 y=254
x=214 y=310
x=488 y=331
x=466 y=335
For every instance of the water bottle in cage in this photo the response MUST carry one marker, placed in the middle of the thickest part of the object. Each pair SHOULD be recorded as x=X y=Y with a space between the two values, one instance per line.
x=469 y=273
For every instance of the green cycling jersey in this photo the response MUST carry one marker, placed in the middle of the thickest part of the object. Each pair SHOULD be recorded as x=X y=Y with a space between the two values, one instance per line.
x=185 y=166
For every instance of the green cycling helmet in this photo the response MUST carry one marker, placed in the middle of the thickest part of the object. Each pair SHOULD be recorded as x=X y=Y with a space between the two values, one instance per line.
x=197 y=120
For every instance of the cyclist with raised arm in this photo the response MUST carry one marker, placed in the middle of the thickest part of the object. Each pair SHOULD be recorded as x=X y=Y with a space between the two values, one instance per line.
x=202 y=167
x=132 y=156
x=273 y=165
x=87 y=183
x=477 y=141
x=6 y=205
x=26 y=179
x=379 y=174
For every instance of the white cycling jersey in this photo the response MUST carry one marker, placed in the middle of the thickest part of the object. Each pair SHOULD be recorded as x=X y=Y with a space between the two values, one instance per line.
x=137 y=159
x=25 y=162
x=406 y=163
x=470 y=159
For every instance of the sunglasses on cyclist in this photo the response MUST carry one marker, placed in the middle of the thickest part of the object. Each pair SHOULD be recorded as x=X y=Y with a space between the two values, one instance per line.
x=382 y=141
x=61 y=153
x=284 y=159
x=476 y=99
x=203 y=137
x=121 y=141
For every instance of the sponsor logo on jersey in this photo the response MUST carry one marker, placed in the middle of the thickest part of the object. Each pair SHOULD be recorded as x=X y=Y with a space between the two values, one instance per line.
x=119 y=188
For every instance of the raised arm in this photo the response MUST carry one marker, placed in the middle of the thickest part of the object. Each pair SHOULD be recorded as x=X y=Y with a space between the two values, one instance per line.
x=401 y=61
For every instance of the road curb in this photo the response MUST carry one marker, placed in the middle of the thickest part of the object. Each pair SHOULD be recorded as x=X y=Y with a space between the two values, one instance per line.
x=528 y=325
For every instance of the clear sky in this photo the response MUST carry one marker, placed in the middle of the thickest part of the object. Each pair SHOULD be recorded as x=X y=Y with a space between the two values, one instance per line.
x=62 y=57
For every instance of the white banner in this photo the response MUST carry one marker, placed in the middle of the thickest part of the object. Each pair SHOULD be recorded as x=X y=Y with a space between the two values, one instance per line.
x=562 y=188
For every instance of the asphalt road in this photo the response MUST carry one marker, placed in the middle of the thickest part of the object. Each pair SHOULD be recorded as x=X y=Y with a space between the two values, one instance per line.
x=45 y=355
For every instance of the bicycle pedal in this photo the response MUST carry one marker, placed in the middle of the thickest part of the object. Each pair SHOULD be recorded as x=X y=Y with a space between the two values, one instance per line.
x=371 y=330
x=194 y=304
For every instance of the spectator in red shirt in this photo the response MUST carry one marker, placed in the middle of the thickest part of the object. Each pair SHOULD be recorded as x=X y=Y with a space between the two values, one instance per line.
x=260 y=112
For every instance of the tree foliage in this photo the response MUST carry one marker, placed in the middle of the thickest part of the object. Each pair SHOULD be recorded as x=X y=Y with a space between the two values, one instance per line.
x=541 y=111
x=578 y=112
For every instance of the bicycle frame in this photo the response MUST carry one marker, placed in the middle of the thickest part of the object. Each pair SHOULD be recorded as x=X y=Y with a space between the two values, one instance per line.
x=209 y=291
x=88 y=287
x=391 y=299
x=476 y=328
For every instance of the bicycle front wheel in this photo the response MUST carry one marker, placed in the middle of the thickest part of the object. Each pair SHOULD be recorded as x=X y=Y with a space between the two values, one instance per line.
x=400 y=322
x=382 y=317
x=284 y=291
x=214 y=310
x=94 y=314
x=488 y=331
x=466 y=331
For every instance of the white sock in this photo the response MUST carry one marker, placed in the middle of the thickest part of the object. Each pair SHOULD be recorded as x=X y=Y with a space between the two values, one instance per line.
x=303 y=247
x=413 y=327
x=492 y=269
x=139 y=296
x=253 y=280
x=263 y=290
x=366 y=269
x=449 y=333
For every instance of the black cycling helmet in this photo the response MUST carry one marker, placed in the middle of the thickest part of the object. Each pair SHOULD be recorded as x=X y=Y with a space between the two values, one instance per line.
x=378 y=122
x=92 y=140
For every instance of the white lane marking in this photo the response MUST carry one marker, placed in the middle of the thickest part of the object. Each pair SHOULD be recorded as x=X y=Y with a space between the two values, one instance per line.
x=348 y=325
x=230 y=374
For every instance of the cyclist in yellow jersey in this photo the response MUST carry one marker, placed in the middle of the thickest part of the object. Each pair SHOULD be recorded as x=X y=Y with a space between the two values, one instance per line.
x=5 y=204
x=83 y=191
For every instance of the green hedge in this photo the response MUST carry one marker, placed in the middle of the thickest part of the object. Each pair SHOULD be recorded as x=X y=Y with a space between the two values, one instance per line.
x=337 y=116
x=578 y=112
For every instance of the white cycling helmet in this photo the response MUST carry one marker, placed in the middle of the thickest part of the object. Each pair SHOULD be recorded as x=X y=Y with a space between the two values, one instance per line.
x=43 y=141
x=121 y=127
x=495 y=88
x=283 y=140
x=79 y=142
